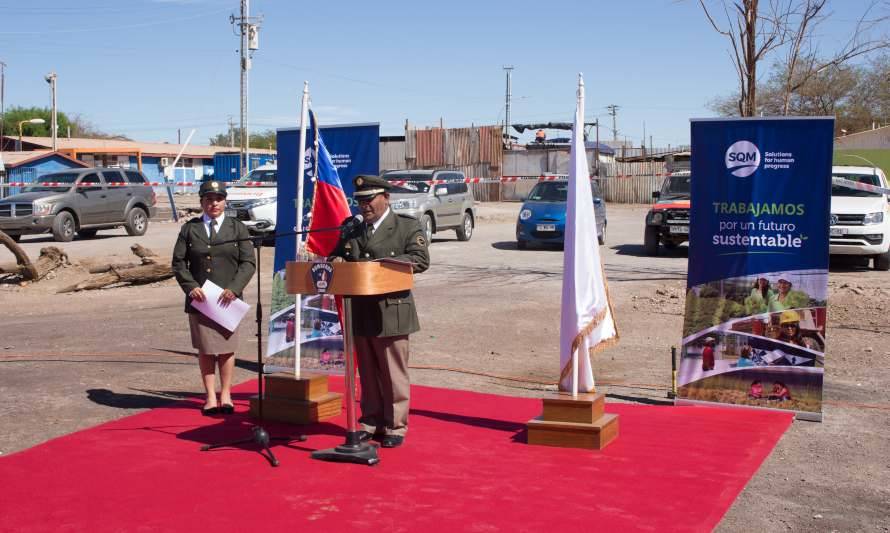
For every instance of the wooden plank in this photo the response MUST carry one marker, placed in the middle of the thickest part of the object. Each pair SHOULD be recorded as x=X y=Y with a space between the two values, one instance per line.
x=299 y=411
x=595 y=436
x=584 y=409
x=287 y=386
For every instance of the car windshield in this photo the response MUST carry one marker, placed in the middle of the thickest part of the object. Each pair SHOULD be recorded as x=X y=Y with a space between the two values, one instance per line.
x=550 y=191
x=408 y=183
x=264 y=176
x=676 y=186
x=868 y=179
x=68 y=178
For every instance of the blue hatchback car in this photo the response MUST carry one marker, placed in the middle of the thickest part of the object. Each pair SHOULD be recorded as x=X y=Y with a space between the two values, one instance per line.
x=542 y=218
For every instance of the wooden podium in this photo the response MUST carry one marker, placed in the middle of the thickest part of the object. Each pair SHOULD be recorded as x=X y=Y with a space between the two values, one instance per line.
x=348 y=279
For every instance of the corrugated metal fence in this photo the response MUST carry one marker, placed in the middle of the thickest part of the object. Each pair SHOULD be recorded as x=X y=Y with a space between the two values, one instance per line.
x=632 y=183
x=477 y=152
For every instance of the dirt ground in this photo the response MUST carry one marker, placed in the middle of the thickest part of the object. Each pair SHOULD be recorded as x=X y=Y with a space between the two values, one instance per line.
x=489 y=312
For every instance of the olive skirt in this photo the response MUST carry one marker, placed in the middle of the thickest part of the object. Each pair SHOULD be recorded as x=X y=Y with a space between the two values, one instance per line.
x=208 y=337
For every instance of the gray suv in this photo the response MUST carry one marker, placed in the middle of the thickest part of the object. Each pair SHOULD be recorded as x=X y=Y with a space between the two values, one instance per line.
x=80 y=201
x=439 y=199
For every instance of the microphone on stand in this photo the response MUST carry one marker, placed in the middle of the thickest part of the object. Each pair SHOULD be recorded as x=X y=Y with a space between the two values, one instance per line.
x=350 y=226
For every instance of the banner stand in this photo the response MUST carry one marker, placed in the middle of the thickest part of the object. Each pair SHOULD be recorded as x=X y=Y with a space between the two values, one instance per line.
x=798 y=415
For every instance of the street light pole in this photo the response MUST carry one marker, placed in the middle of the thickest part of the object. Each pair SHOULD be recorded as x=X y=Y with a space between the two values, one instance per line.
x=54 y=125
x=29 y=121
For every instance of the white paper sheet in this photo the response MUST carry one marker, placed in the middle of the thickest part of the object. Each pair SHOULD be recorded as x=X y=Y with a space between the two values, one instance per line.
x=227 y=317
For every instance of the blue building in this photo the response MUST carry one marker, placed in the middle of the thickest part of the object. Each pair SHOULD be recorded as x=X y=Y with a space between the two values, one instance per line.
x=27 y=167
x=154 y=159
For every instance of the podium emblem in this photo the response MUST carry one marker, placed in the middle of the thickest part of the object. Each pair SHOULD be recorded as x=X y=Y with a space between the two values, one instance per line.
x=322 y=274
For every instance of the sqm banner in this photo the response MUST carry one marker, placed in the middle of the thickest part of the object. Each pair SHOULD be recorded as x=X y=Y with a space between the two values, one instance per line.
x=754 y=328
x=354 y=150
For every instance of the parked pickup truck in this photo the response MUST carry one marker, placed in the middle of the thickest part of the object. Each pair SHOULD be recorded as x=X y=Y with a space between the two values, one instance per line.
x=667 y=222
x=81 y=201
x=860 y=219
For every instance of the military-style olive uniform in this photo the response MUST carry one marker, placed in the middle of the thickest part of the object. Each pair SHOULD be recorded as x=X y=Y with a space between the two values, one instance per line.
x=382 y=323
x=196 y=259
x=399 y=237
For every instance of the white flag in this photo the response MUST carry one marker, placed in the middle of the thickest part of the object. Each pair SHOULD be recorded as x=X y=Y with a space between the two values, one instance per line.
x=586 y=323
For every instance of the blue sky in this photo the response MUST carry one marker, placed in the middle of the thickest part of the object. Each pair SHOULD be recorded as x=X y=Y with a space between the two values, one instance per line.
x=147 y=67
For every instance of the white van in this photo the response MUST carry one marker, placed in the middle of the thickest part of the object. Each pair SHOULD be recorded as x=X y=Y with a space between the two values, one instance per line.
x=254 y=199
x=860 y=220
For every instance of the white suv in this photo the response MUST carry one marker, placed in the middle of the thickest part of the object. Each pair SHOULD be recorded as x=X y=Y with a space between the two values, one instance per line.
x=860 y=220
x=253 y=200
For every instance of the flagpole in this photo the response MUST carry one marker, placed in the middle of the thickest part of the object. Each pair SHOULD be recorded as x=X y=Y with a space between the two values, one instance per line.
x=577 y=128
x=298 y=227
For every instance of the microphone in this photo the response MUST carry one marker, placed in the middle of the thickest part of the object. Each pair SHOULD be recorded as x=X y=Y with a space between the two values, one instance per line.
x=351 y=225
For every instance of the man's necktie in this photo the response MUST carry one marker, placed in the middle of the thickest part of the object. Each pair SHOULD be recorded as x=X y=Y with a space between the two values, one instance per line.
x=212 y=229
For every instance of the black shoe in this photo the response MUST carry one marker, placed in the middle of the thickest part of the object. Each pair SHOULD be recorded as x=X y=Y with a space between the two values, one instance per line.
x=210 y=411
x=364 y=436
x=392 y=441
x=227 y=409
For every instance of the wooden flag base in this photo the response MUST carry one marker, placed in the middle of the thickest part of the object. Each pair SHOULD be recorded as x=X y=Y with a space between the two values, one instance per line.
x=303 y=400
x=573 y=422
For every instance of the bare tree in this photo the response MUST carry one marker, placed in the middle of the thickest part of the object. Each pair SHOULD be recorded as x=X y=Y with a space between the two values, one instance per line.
x=755 y=30
x=752 y=37
x=802 y=64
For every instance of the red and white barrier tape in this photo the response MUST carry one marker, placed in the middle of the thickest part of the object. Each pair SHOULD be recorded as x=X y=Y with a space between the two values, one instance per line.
x=850 y=184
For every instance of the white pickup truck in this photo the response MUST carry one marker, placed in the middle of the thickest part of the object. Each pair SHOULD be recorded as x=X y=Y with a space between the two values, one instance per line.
x=860 y=219
x=254 y=199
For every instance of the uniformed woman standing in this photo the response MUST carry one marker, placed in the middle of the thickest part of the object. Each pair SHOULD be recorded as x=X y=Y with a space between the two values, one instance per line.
x=197 y=258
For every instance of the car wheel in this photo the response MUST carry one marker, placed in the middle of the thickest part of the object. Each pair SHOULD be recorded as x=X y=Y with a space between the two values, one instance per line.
x=650 y=240
x=86 y=233
x=137 y=222
x=602 y=238
x=63 y=227
x=881 y=261
x=522 y=245
x=465 y=231
x=426 y=222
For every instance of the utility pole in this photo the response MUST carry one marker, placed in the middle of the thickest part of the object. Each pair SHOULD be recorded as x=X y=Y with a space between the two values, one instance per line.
x=509 y=70
x=613 y=110
x=596 y=150
x=54 y=125
x=2 y=100
x=248 y=29
x=231 y=132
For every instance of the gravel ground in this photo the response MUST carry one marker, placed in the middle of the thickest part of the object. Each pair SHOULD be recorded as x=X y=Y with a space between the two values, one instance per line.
x=489 y=312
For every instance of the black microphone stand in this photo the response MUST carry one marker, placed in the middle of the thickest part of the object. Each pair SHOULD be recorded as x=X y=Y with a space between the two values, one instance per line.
x=260 y=436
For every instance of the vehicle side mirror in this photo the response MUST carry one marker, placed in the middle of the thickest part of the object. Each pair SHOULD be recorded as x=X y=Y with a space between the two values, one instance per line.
x=656 y=195
x=441 y=191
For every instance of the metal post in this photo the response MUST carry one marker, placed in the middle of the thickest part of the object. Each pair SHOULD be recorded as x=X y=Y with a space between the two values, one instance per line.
x=349 y=348
x=245 y=66
x=673 y=392
x=509 y=70
x=54 y=125
x=301 y=176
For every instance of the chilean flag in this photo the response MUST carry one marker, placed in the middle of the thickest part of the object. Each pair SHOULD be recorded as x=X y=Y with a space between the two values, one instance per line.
x=329 y=205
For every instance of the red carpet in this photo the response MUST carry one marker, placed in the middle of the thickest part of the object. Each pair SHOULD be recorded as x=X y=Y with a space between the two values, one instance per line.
x=465 y=467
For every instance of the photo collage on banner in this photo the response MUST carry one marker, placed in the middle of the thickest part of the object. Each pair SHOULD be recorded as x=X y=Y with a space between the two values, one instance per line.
x=757 y=287
x=354 y=150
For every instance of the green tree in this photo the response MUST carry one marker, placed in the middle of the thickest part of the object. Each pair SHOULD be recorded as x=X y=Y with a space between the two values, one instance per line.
x=14 y=115
x=258 y=139
x=79 y=126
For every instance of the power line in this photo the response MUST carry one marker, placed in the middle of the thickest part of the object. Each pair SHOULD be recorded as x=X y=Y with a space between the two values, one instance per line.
x=113 y=27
